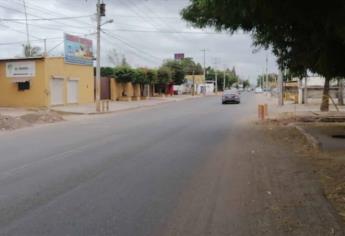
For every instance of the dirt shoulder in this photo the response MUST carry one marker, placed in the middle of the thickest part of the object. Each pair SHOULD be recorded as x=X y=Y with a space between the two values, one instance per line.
x=8 y=122
x=327 y=163
x=259 y=181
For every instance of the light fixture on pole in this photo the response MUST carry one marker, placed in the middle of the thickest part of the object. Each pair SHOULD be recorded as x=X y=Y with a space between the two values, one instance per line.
x=100 y=13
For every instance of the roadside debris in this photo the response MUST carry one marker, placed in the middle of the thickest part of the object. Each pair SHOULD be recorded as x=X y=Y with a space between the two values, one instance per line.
x=40 y=117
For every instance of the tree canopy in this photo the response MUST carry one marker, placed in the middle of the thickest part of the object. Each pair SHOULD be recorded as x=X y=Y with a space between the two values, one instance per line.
x=107 y=71
x=151 y=75
x=164 y=75
x=189 y=66
x=124 y=74
x=176 y=70
x=139 y=76
x=304 y=35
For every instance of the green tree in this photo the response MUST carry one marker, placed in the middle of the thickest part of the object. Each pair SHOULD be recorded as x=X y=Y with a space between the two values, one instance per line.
x=177 y=71
x=152 y=76
x=107 y=71
x=301 y=39
x=163 y=77
x=140 y=77
x=124 y=74
x=189 y=66
x=246 y=83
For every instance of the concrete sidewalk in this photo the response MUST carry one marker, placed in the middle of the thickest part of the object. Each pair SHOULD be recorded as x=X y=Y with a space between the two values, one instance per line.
x=324 y=130
x=116 y=106
x=289 y=109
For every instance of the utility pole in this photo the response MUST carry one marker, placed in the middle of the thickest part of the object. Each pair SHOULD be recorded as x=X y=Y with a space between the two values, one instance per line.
x=27 y=25
x=280 y=89
x=98 y=58
x=216 y=75
x=306 y=90
x=341 y=91
x=45 y=47
x=193 y=91
x=266 y=86
x=204 y=51
x=216 y=88
x=224 y=79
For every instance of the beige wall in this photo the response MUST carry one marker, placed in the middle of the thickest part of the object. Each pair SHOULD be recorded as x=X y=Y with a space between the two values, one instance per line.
x=115 y=89
x=36 y=96
x=39 y=93
x=136 y=90
x=55 y=66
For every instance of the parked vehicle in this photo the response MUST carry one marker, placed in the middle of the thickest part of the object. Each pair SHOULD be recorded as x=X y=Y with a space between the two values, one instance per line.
x=258 y=90
x=231 y=96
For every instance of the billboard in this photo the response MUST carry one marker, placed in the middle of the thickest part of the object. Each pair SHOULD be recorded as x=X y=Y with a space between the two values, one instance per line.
x=20 y=69
x=179 y=56
x=78 y=50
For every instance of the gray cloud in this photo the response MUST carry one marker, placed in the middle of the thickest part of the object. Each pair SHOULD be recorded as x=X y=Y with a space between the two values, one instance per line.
x=147 y=47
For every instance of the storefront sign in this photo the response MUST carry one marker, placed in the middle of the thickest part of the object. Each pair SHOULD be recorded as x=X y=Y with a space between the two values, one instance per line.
x=20 y=69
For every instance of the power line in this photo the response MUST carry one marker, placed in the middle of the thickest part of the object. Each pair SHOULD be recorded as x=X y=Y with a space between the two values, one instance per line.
x=131 y=46
x=136 y=13
x=18 y=31
x=45 y=27
x=19 y=11
x=133 y=51
x=48 y=11
x=45 y=19
x=148 y=17
x=166 y=32
x=39 y=39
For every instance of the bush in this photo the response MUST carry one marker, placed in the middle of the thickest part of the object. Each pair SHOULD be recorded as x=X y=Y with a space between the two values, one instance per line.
x=124 y=74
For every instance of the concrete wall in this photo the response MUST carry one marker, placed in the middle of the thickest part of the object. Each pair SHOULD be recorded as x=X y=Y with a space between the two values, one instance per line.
x=317 y=92
x=36 y=96
x=115 y=89
x=136 y=90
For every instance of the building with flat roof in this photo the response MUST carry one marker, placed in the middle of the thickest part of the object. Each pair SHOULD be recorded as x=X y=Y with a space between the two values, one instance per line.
x=44 y=82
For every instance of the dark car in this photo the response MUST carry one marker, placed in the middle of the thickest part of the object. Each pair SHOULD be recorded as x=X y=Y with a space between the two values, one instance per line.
x=231 y=96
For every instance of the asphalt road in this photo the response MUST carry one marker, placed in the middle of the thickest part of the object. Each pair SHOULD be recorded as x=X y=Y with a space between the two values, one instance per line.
x=185 y=168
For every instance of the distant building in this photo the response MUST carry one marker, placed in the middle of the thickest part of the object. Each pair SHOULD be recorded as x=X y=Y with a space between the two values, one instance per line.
x=315 y=85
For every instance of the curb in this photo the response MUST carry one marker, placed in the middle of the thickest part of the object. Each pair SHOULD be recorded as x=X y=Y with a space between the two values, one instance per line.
x=314 y=142
x=122 y=110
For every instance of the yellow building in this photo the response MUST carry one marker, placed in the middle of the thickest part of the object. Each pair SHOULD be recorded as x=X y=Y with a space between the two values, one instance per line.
x=44 y=82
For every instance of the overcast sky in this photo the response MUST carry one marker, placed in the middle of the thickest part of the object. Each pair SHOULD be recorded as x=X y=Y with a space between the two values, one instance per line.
x=145 y=31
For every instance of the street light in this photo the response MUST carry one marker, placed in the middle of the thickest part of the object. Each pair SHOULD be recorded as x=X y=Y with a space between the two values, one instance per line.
x=100 y=13
x=108 y=22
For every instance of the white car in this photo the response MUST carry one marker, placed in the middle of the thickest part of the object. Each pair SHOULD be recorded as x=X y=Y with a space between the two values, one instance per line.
x=258 y=90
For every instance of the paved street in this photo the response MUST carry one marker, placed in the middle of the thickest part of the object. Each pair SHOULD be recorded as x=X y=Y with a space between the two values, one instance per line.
x=193 y=167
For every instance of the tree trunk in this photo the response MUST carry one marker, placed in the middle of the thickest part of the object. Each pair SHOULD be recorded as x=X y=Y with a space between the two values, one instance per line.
x=306 y=90
x=142 y=87
x=325 y=96
x=341 y=92
x=153 y=90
